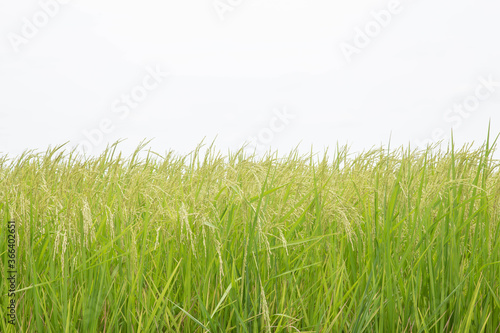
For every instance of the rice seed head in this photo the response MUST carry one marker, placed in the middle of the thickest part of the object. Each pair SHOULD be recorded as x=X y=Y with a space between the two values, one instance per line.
x=218 y=247
x=190 y=237
x=203 y=233
x=283 y=240
x=88 y=228
x=63 y=251
x=110 y=222
x=56 y=243
x=264 y=309
x=157 y=237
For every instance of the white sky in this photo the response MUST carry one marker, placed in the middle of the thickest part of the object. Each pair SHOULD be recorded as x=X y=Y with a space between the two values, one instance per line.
x=228 y=78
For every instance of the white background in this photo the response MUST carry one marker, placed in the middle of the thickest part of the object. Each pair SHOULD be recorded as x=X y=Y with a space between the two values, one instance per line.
x=233 y=65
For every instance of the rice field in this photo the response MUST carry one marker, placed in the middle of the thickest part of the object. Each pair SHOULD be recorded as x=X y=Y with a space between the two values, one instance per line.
x=384 y=240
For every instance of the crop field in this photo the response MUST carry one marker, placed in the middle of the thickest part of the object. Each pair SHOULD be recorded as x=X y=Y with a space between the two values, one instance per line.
x=383 y=240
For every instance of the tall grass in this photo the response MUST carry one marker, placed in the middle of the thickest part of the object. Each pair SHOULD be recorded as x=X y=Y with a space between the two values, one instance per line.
x=383 y=241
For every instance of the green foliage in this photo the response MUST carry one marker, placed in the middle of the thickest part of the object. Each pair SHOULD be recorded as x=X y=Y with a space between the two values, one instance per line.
x=382 y=241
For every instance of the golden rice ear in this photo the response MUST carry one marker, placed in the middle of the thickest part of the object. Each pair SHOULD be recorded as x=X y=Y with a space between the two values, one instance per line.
x=88 y=225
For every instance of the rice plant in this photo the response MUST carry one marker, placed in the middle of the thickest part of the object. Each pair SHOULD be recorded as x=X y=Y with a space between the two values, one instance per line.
x=385 y=240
